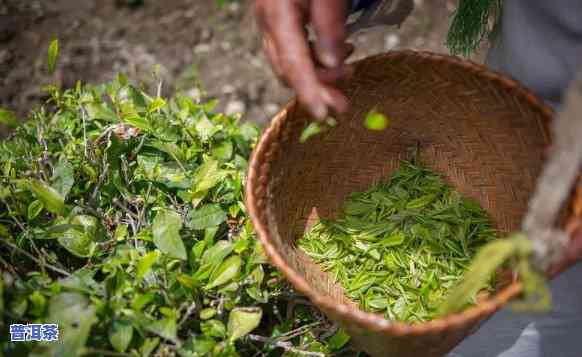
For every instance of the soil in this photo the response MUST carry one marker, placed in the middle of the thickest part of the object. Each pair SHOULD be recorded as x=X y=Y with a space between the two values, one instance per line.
x=192 y=46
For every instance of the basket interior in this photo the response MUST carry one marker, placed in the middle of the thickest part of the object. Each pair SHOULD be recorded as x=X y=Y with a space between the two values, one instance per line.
x=486 y=139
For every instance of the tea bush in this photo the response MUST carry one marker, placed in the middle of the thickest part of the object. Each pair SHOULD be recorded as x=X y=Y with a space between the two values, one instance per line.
x=122 y=220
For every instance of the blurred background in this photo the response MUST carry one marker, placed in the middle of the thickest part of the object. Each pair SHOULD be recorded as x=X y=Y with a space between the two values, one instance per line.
x=205 y=48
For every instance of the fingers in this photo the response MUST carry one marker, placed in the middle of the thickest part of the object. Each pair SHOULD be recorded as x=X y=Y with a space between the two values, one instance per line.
x=333 y=75
x=296 y=61
x=291 y=57
x=325 y=75
x=328 y=18
x=273 y=57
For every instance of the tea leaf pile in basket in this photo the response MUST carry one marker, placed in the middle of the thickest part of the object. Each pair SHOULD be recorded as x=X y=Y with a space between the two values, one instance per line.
x=122 y=220
x=399 y=247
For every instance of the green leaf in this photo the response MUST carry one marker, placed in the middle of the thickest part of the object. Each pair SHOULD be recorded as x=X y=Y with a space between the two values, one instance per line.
x=166 y=328
x=145 y=264
x=137 y=97
x=207 y=216
x=101 y=111
x=223 y=151
x=34 y=209
x=149 y=346
x=8 y=118
x=213 y=328
x=197 y=346
x=216 y=254
x=206 y=129
x=63 y=177
x=51 y=198
x=81 y=242
x=226 y=272
x=156 y=105
x=207 y=176
x=120 y=335
x=242 y=321
x=310 y=130
x=120 y=232
x=376 y=121
x=75 y=316
x=207 y=313
x=166 y=230
x=53 y=54
x=338 y=340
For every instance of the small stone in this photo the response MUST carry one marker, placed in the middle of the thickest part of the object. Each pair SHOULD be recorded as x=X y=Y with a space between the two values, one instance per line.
x=235 y=107
x=226 y=46
x=234 y=6
x=256 y=62
x=391 y=41
x=228 y=89
x=202 y=48
x=205 y=35
x=271 y=109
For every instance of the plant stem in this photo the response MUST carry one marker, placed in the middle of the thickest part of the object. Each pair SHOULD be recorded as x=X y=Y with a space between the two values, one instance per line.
x=35 y=259
x=284 y=345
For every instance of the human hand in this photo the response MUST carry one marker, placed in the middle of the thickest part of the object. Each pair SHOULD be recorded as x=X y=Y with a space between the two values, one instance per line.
x=311 y=70
x=573 y=252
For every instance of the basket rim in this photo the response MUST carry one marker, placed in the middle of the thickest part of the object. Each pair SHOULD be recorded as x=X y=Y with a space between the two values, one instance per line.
x=257 y=180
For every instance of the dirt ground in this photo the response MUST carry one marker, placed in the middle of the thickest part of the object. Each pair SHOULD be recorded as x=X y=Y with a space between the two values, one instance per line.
x=194 y=46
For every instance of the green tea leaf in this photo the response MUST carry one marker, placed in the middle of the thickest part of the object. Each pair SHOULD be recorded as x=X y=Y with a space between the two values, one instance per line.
x=165 y=328
x=34 y=209
x=53 y=54
x=338 y=340
x=51 y=198
x=242 y=321
x=376 y=121
x=207 y=176
x=120 y=335
x=63 y=177
x=81 y=242
x=207 y=216
x=207 y=313
x=213 y=328
x=145 y=264
x=223 y=151
x=166 y=231
x=227 y=271
x=310 y=130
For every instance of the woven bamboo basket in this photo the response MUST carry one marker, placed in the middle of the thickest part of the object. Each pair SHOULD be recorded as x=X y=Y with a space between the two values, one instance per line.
x=483 y=131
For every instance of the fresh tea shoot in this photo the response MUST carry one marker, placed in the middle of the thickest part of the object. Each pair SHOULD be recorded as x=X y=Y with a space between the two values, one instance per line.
x=376 y=121
x=398 y=248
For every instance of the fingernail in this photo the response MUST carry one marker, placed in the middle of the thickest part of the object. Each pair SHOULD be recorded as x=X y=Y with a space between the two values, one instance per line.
x=327 y=57
x=319 y=110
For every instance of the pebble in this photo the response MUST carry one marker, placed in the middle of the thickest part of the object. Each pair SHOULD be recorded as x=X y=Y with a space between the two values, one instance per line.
x=235 y=107
x=271 y=109
x=202 y=48
x=228 y=89
x=390 y=41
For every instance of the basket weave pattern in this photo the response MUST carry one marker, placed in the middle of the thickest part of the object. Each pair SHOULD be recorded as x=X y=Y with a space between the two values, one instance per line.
x=483 y=131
